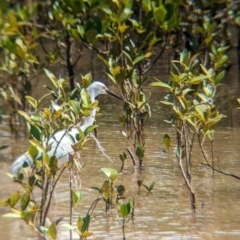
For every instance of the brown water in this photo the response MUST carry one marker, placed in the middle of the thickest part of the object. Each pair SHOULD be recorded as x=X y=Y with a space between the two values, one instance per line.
x=163 y=214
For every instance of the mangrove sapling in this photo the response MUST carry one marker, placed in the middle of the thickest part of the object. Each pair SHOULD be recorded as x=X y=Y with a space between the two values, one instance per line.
x=140 y=184
x=193 y=90
x=130 y=54
x=150 y=187
x=44 y=172
x=124 y=210
x=122 y=157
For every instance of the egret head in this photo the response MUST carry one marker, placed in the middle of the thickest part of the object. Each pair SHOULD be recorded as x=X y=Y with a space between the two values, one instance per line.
x=97 y=88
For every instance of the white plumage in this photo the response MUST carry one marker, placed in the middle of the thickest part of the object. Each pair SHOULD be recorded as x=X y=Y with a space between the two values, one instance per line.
x=61 y=142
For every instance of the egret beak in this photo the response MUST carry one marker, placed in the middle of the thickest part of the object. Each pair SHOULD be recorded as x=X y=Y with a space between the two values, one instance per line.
x=113 y=94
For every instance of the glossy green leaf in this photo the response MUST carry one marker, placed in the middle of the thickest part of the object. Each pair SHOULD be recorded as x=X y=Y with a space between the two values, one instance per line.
x=160 y=14
x=89 y=129
x=219 y=77
x=138 y=59
x=35 y=132
x=110 y=173
x=76 y=197
x=75 y=106
x=52 y=231
x=151 y=186
x=161 y=84
x=124 y=210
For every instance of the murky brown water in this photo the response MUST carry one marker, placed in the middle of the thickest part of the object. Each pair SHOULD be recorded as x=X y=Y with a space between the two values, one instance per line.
x=163 y=214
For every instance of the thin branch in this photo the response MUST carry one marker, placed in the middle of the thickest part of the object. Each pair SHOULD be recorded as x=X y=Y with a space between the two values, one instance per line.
x=220 y=171
x=51 y=193
x=77 y=59
x=213 y=168
x=42 y=45
x=131 y=155
x=100 y=147
x=155 y=60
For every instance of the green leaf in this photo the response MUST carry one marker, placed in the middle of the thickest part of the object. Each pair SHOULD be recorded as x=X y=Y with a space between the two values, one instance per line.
x=122 y=28
x=208 y=73
x=74 y=106
x=35 y=132
x=166 y=103
x=139 y=150
x=85 y=97
x=110 y=173
x=123 y=156
x=223 y=49
x=160 y=14
x=185 y=57
x=151 y=186
x=116 y=70
x=12 y=200
x=128 y=56
x=167 y=141
x=219 y=77
x=32 y=101
x=76 y=197
x=138 y=59
x=161 y=84
x=221 y=61
x=25 y=115
x=25 y=200
x=86 y=80
x=90 y=129
x=106 y=190
x=11 y=215
x=52 y=231
x=106 y=9
x=200 y=110
x=37 y=145
x=124 y=210
x=213 y=121
x=86 y=222
x=51 y=77
x=196 y=80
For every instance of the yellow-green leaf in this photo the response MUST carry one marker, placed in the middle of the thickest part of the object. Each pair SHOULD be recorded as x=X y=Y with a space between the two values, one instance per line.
x=166 y=141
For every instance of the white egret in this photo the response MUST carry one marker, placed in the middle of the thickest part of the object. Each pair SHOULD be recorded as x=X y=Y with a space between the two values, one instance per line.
x=61 y=142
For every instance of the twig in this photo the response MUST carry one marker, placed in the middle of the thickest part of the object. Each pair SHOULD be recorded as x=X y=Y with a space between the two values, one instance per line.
x=213 y=168
x=100 y=147
x=131 y=155
x=158 y=56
